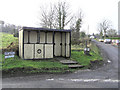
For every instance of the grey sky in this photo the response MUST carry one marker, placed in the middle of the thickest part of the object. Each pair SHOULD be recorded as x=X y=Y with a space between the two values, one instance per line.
x=26 y=12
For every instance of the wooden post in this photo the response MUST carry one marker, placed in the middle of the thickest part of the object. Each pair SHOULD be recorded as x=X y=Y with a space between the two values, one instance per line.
x=86 y=44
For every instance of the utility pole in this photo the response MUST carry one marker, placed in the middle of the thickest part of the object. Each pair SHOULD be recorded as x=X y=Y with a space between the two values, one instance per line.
x=88 y=31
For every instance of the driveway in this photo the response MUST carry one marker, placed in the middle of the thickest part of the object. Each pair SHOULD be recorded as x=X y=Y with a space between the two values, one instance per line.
x=103 y=77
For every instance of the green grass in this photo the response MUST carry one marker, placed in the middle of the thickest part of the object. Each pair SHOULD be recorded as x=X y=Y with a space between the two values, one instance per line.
x=7 y=39
x=33 y=66
x=85 y=59
x=110 y=38
x=94 y=48
x=49 y=66
x=113 y=38
x=76 y=47
x=28 y=66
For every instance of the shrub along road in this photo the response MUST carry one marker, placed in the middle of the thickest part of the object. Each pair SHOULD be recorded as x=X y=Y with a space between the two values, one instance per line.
x=103 y=77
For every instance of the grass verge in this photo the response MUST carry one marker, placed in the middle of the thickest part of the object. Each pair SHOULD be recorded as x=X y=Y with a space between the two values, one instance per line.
x=113 y=38
x=13 y=65
x=83 y=59
x=7 y=39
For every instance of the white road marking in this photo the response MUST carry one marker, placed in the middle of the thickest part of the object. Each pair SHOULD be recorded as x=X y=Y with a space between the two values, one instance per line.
x=50 y=79
x=86 y=80
x=94 y=80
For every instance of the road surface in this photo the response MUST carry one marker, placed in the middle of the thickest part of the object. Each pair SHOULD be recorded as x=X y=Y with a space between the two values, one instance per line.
x=103 y=77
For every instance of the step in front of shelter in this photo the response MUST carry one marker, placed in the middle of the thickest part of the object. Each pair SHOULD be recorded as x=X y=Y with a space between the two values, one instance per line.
x=40 y=43
x=71 y=63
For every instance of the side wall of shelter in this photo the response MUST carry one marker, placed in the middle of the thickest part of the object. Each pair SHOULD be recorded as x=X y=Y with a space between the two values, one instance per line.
x=21 y=43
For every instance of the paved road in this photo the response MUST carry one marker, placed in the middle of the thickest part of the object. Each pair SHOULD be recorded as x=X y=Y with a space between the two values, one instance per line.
x=104 y=77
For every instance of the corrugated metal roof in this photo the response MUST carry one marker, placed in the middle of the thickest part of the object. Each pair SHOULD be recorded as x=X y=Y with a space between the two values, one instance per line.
x=46 y=29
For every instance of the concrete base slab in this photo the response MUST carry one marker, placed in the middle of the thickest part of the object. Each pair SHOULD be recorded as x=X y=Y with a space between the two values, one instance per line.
x=68 y=62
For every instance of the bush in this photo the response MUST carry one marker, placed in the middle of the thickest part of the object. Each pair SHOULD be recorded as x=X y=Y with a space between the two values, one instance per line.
x=12 y=47
x=75 y=42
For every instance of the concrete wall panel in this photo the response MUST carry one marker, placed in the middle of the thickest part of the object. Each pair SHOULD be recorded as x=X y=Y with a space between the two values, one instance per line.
x=49 y=37
x=67 y=50
x=67 y=38
x=33 y=37
x=25 y=36
x=21 y=44
x=42 y=37
x=57 y=44
x=39 y=51
x=63 y=44
x=48 y=50
x=28 y=51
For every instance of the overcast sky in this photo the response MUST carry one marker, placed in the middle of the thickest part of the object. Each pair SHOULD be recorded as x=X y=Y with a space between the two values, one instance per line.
x=26 y=12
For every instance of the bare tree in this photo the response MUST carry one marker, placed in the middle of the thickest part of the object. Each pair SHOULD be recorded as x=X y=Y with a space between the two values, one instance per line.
x=58 y=16
x=111 y=32
x=100 y=30
x=76 y=25
x=76 y=22
x=62 y=15
x=47 y=17
x=105 y=25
